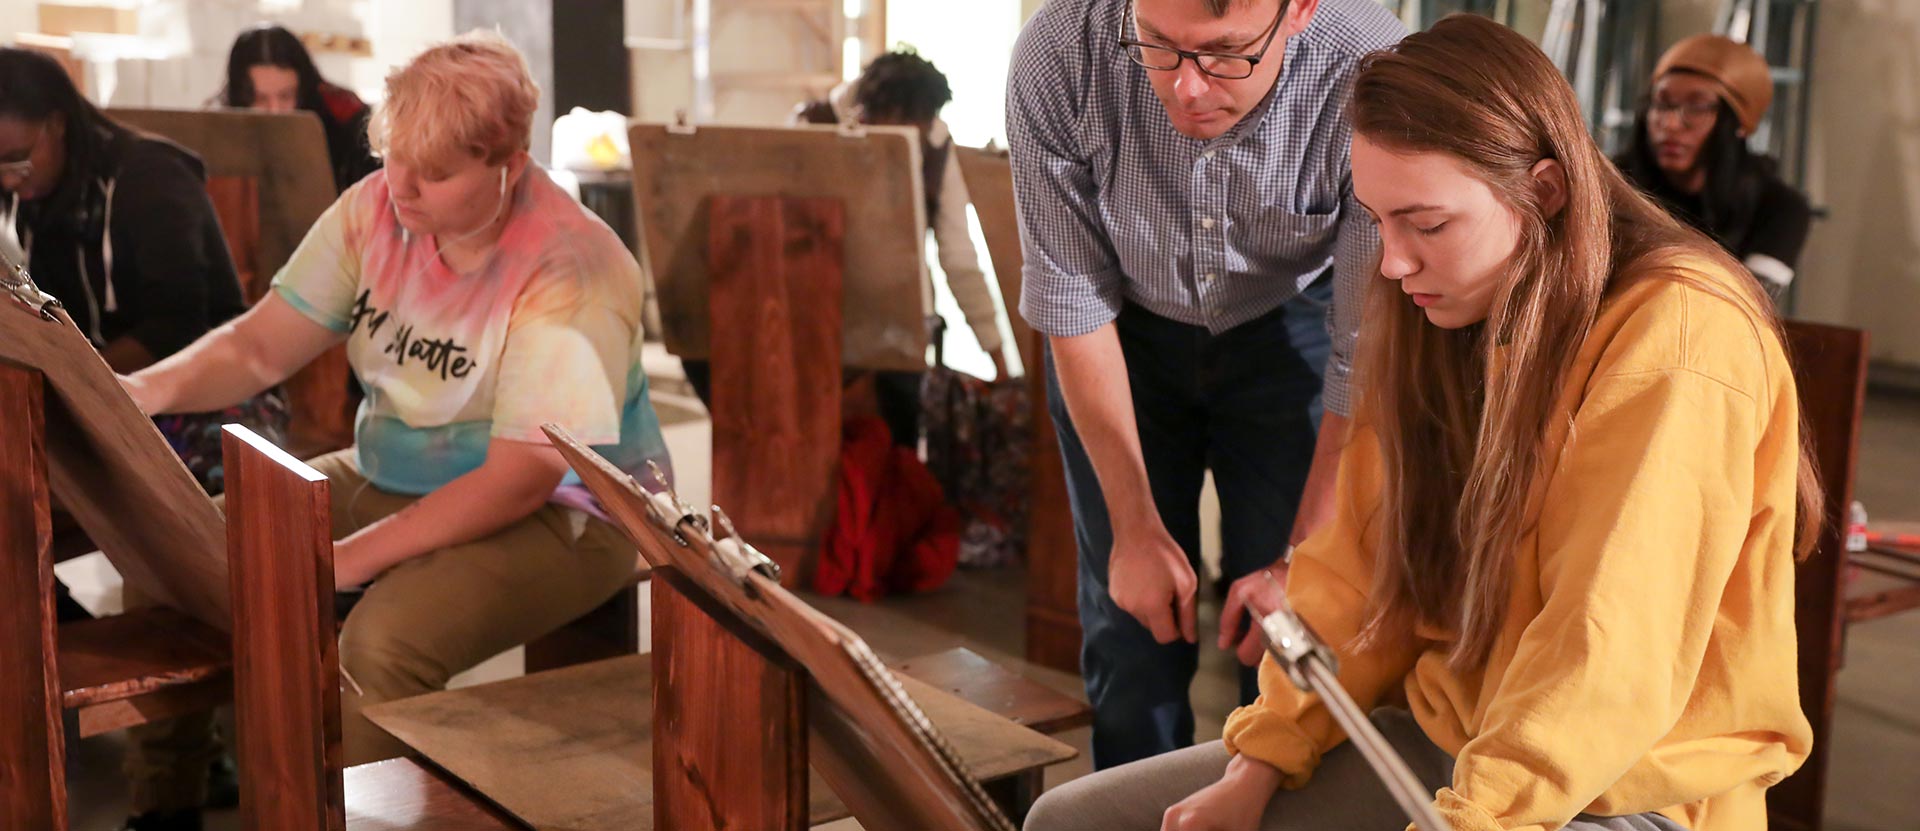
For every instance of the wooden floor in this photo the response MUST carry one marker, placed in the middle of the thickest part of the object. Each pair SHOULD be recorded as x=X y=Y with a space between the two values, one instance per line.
x=1876 y=758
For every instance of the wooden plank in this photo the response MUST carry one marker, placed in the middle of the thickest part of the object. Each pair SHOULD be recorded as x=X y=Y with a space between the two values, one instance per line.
x=588 y=733
x=157 y=705
x=1053 y=575
x=33 y=788
x=989 y=178
x=875 y=174
x=1830 y=371
x=286 y=659
x=137 y=653
x=776 y=280
x=110 y=467
x=867 y=721
x=965 y=674
x=709 y=774
x=403 y=794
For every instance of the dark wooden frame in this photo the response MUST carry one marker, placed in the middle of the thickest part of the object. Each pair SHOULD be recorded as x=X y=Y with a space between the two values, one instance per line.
x=867 y=739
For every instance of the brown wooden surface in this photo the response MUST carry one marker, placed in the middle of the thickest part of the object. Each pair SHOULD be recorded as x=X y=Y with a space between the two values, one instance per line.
x=572 y=748
x=137 y=653
x=1053 y=616
x=269 y=178
x=612 y=629
x=989 y=178
x=965 y=674
x=286 y=661
x=116 y=474
x=862 y=721
x=776 y=278
x=875 y=175
x=404 y=795
x=1830 y=370
x=159 y=705
x=33 y=789
x=729 y=722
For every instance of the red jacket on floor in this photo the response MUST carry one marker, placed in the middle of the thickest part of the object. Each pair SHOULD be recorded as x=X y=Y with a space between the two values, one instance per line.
x=892 y=529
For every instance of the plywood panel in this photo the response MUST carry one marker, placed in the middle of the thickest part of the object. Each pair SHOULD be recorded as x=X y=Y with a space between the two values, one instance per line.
x=110 y=467
x=32 y=771
x=876 y=174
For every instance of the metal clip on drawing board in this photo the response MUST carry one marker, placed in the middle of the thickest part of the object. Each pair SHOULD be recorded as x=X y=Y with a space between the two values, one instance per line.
x=738 y=558
x=682 y=125
x=670 y=511
x=16 y=281
x=1312 y=667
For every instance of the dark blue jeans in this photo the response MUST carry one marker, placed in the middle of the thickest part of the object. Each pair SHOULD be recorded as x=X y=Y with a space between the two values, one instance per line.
x=1244 y=404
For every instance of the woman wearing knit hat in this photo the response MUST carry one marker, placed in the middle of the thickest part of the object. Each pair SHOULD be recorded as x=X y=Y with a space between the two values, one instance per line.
x=1689 y=151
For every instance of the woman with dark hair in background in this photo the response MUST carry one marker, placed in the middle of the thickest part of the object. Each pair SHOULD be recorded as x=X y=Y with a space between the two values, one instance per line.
x=269 y=69
x=117 y=225
x=1689 y=151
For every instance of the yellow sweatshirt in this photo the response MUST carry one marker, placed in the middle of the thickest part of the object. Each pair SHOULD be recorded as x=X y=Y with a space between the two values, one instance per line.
x=1647 y=661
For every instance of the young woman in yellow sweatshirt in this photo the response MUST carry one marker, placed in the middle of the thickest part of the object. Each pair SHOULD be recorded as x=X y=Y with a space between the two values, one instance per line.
x=1566 y=511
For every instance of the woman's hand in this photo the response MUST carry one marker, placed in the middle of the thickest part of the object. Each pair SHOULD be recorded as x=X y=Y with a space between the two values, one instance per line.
x=1235 y=803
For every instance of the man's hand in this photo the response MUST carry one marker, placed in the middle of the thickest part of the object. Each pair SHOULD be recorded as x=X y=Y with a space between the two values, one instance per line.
x=1261 y=591
x=1149 y=577
x=1235 y=803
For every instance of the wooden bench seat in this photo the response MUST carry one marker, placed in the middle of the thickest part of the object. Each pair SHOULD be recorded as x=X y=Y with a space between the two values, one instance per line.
x=404 y=794
x=141 y=666
x=572 y=748
x=963 y=673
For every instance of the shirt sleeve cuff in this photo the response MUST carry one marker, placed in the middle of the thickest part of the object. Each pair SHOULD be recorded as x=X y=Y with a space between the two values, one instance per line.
x=1461 y=814
x=1069 y=306
x=338 y=325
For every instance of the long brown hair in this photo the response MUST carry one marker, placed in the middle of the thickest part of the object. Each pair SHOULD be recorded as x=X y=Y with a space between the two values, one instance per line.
x=1462 y=442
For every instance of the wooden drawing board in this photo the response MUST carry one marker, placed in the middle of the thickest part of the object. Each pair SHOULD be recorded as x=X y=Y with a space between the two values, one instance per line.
x=285 y=153
x=875 y=173
x=110 y=467
x=871 y=741
x=989 y=178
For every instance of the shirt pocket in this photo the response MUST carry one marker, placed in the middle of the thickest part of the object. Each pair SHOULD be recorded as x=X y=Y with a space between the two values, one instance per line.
x=1279 y=241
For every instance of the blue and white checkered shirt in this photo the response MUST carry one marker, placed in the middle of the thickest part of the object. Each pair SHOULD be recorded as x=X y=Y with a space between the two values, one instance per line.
x=1116 y=206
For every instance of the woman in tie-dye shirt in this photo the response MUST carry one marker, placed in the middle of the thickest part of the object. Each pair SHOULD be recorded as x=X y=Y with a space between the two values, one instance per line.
x=477 y=301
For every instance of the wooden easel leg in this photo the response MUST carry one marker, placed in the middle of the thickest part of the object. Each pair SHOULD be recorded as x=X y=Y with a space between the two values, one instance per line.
x=33 y=786
x=286 y=661
x=729 y=721
x=1016 y=794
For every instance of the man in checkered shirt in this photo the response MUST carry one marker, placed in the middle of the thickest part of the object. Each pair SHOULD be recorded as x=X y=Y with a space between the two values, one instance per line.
x=1195 y=256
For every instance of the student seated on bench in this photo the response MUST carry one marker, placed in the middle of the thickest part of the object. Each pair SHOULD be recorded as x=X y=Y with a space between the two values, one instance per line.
x=76 y=188
x=477 y=302
x=117 y=225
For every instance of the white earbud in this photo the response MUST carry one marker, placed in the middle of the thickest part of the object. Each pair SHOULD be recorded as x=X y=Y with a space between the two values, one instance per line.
x=503 y=182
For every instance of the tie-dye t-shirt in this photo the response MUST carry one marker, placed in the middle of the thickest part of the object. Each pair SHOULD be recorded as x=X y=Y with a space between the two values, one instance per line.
x=547 y=329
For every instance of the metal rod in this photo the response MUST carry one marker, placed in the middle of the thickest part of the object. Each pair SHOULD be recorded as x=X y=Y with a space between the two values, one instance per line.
x=1312 y=667
x=1387 y=764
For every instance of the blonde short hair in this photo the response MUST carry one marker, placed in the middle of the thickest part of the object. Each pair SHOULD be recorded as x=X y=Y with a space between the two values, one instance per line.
x=471 y=95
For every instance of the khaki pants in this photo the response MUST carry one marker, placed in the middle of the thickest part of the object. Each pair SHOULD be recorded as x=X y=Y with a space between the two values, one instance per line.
x=419 y=624
x=1345 y=794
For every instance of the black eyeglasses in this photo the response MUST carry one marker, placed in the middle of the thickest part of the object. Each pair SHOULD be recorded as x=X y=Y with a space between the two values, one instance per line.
x=1229 y=66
